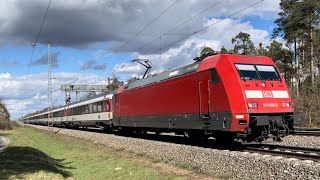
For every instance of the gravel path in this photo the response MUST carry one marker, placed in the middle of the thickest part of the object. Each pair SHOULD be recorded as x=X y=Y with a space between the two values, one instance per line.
x=217 y=163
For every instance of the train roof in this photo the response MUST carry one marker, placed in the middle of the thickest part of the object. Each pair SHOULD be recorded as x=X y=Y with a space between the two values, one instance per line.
x=89 y=100
x=208 y=62
x=164 y=76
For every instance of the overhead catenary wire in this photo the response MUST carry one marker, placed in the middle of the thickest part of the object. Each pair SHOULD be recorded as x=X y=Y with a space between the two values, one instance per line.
x=197 y=31
x=176 y=27
x=139 y=32
x=145 y=27
x=38 y=35
x=204 y=28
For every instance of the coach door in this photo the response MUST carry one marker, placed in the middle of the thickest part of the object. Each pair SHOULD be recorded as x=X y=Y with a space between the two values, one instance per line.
x=66 y=114
x=204 y=95
x=208 y=83
x=107 y=107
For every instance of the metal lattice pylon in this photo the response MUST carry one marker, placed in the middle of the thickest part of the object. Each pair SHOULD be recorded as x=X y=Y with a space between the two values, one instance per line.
x=50 y=119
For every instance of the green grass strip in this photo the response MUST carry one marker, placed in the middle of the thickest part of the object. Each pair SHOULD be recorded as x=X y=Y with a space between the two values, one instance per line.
x=35 y=154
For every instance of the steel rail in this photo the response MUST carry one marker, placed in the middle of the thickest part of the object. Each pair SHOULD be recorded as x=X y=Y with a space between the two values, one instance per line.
x=286 y=151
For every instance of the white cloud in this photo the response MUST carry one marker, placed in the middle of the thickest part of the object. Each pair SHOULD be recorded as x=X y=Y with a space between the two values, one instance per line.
x=5 y=76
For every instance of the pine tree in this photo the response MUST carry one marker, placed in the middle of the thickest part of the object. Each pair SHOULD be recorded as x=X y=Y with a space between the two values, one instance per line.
x=243 y=44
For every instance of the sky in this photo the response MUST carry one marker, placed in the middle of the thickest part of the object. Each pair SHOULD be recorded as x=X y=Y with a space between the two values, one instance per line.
x=92 y=40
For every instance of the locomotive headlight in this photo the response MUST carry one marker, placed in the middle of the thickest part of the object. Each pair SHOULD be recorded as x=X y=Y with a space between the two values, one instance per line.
x=252 y=104
x=286 y=104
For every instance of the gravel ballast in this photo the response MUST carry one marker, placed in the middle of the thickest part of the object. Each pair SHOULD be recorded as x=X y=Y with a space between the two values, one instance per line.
x=213 y=162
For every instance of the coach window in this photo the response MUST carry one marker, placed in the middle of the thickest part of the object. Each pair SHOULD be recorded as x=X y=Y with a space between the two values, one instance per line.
x=90 y=108
x=108 y=105
x=87 y=109
x=94 y=107
x=83 y=109
x=214 y=76
x=76 y=111
x=99 y=106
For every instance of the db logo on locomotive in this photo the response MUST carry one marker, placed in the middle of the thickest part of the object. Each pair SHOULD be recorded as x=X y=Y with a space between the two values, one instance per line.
x=267 y=94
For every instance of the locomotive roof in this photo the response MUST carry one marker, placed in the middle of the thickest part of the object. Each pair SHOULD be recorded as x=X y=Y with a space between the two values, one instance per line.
x=164 y=76
x=206 y=63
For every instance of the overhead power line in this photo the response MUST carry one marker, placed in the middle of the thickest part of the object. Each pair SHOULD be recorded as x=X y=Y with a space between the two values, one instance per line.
x=184 y=22
x=204 y=28
x=145 y=27
x=35 y=43
x=176 y=27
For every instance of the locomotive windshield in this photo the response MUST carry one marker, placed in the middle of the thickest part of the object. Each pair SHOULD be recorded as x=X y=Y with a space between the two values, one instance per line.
x=257 y=72
x=247 y=71
x=267 y=72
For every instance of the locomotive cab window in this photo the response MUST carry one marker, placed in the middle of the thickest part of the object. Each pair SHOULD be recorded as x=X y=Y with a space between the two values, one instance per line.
x=247 y=71
x=257 y=72
x=214 y=76
x=267 y=72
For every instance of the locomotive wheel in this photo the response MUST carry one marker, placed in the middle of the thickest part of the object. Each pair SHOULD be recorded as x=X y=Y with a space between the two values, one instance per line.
x=196 y=136
x=108 y=129
x=225 y=140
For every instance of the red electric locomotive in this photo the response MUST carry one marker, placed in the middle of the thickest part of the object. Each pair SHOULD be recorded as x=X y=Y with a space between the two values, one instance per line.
x=224 y=96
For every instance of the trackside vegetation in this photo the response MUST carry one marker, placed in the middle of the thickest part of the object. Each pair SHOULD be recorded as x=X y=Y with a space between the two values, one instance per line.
x=35 y=154
x=4 y=116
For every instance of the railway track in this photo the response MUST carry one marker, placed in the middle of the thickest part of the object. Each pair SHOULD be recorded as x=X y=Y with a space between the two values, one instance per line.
x=307 y=129
x=286 y=151
x=309 y=133
x=306 y=132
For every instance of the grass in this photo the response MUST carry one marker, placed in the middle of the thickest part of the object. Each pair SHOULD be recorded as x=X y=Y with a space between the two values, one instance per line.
x=35 y=154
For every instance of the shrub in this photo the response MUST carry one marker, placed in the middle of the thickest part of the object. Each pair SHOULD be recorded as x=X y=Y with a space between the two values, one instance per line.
x=4 y=117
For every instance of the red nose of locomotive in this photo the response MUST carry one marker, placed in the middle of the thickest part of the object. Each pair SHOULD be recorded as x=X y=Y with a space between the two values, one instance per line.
x=264 y=89
x=267 y=97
